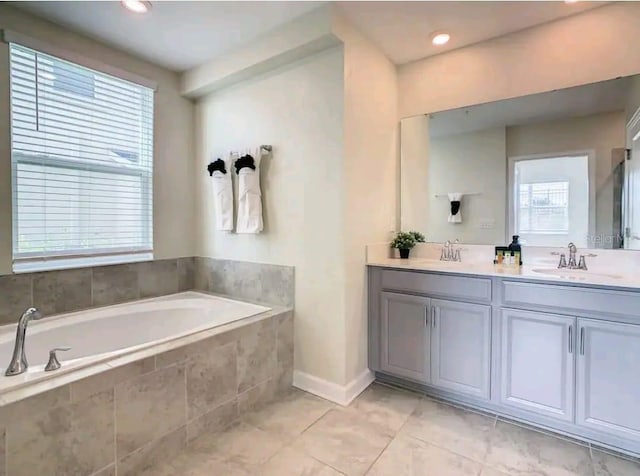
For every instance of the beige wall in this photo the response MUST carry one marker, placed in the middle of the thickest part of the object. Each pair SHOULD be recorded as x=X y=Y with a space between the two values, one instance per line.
x=370 y=168
x=299 y=109
x=174 y=215
x=414 y=175
x=469 y=163
x=585 y=48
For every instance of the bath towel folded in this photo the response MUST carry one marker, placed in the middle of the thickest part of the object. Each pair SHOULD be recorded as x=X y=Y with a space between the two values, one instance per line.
x=222 y=195
x=455 y=216
x=249 y=195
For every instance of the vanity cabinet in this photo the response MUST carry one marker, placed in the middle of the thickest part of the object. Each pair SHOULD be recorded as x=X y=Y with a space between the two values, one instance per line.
x=442 y=343
x=405 y=337
x=558 y=355
x=537 y=362
x=461 y=347
x=608 y=378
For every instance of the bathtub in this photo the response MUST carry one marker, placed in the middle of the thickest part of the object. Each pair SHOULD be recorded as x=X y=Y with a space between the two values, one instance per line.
x=102 y=334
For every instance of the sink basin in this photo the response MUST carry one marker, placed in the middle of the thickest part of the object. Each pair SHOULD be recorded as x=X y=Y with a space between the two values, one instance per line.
x=578 y=274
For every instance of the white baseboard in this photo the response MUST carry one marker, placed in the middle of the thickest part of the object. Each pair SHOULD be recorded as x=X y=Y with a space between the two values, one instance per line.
x=342 y=395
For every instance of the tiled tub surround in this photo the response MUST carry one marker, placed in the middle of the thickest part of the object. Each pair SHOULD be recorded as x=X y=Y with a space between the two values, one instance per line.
x=260 y=282
x=145 y=407
x=103 y=334
x=55 y=292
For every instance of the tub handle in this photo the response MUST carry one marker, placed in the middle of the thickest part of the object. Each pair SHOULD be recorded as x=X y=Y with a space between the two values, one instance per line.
x=54 y=363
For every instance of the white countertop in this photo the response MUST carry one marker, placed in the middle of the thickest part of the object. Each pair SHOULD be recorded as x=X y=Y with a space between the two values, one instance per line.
x=605 y=278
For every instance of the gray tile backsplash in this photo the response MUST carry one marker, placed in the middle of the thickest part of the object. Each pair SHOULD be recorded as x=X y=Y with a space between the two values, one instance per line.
x=62 y=291
x=268 y=283
x=69 y=290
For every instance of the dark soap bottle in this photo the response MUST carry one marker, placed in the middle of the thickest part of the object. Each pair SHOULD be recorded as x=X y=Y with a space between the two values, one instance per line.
x=515 y=246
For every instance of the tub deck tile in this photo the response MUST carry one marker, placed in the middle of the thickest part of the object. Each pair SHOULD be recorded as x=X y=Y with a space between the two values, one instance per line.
x=75 y=439
x=212 y=378
x=108 y=379
x=214 y=421
x=40 y=403
x=149 y=407
x=257 y=354
x=164 y=448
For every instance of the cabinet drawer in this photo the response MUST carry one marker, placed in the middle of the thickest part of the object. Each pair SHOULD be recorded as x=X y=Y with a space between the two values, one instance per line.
x=461 y=287
x=574 y=300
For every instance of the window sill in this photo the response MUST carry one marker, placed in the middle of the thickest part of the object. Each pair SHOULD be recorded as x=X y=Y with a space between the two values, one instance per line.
x=31 y=266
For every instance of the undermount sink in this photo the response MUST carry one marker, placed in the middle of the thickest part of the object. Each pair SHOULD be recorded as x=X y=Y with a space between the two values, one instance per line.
x=578 y=274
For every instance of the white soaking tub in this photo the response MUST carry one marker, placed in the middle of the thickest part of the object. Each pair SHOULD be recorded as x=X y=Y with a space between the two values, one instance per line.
x=98 y=335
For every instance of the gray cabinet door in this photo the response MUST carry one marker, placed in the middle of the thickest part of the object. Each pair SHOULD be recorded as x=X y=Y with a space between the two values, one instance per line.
x=405 y=336
x=608 y=392
x=538 y=363
x=461 y=347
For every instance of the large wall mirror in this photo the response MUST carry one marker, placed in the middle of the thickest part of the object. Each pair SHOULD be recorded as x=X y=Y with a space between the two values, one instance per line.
x=554 y=168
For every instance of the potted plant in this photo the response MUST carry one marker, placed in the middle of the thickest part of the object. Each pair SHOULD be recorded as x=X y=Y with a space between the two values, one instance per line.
x=403 y=242
x=419 y=237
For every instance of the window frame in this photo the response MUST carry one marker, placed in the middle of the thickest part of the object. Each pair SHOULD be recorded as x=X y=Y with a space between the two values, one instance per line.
x=510 y=212
x=39 y=260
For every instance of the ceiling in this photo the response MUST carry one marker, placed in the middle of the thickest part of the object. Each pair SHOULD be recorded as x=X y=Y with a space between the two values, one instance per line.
x=181 y=34
x=605 y=96
x=402 y=29
x=176 y=35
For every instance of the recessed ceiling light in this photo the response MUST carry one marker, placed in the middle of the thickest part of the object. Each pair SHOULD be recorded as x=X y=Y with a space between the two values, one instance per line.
x=570 y=1
x=137 y=6
x=440 y=38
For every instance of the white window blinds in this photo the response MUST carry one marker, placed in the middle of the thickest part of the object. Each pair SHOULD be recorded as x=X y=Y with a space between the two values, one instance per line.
x=82 y=160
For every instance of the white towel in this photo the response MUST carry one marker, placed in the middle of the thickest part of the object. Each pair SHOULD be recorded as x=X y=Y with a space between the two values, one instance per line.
x=249 y=199
x=457 y=217
x=223 y=198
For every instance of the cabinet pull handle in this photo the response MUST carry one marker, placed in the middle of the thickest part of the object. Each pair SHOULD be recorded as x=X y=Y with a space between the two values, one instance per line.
x=582 y=341
x=433 y=318
x=426 y=317
x=571 y=339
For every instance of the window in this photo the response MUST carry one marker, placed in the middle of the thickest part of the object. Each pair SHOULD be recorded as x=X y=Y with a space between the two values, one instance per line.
x=544 y=207
x=549 y=199
x=82 y=163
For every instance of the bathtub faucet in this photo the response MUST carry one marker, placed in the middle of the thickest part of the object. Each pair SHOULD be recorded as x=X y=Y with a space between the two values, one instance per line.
x=18 y=363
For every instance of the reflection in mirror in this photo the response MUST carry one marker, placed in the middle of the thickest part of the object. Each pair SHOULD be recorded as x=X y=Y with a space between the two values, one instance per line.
x=551 y=167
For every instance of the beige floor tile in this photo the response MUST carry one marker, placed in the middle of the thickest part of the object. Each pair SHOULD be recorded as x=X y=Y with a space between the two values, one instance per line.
x=407 y=456
x=290 y=462
x=520 y=451
x=344 y=441
x=291 y=415
x=241 y=444
x=387 y=407
x=609 y=465
x=463 y=432
x=487 y=471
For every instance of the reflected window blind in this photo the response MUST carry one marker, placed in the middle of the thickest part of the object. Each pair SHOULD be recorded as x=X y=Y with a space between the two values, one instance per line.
x=82 y=160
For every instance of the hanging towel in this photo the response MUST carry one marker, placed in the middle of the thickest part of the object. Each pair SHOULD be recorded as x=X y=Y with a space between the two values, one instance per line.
x=222 y=194
x=249 y=195
x=455 y=216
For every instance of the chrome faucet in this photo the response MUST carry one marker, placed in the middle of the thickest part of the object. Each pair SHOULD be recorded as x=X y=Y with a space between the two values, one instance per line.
x=449 y=252
x=572 y=256
x=573 y=264
x=19 y=363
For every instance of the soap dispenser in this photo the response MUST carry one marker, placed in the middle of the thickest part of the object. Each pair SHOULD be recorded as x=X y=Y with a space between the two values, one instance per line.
x=516 y=249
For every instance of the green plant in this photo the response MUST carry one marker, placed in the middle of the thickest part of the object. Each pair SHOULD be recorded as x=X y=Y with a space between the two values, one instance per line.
x=403 y=241
x=419 y=237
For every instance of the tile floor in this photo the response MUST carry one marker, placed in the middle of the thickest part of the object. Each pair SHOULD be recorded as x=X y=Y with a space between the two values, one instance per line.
x=385 y=431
